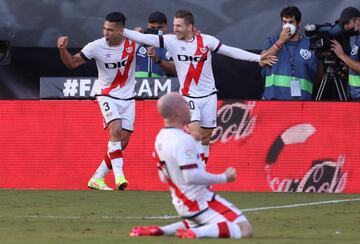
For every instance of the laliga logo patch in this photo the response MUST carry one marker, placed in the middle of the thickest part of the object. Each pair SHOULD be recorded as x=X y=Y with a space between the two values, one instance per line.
x=142 y=50
x=190 y=153
x=306 y=54
x=129 y=49
x=355 y=50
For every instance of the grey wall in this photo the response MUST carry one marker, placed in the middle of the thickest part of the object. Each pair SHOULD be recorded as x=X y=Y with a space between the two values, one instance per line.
x=241 y=23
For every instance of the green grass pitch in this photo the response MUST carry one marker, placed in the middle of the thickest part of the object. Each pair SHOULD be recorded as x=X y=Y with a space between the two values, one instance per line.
x=42 y=216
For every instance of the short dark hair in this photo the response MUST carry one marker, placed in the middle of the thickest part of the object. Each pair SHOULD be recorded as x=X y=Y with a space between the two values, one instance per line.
x=157 y=17
x=186 y=15
x=116 y=17
x=291 y=11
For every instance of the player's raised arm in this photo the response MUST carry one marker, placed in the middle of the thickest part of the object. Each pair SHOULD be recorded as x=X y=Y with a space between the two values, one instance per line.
x=200 y=176
x=71 y=61
x=146 y=39
x=241 y=54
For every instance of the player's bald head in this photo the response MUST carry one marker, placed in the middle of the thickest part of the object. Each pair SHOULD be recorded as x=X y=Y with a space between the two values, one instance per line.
x=169 y=104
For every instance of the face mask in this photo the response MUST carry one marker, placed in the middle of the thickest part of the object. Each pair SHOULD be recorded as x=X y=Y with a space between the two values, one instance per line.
x=291 y=27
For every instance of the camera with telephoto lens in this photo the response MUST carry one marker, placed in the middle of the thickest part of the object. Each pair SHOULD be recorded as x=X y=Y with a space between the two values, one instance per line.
x=320 y=41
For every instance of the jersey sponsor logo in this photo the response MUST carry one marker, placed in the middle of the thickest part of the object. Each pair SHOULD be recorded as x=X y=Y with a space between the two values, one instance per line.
x=305 y=54
x=116 y=65
x=190 y=58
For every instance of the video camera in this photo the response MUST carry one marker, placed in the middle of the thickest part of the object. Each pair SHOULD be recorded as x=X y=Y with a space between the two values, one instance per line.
x=320 y=41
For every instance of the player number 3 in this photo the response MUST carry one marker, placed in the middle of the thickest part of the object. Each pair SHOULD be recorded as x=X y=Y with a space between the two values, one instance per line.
x=106 y=105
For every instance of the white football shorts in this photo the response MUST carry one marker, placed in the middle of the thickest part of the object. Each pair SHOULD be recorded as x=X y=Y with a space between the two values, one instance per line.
x=204 y=110
x=113 y=109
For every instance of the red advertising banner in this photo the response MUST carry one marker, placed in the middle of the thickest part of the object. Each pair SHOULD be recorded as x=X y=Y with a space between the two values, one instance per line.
x=275 y=146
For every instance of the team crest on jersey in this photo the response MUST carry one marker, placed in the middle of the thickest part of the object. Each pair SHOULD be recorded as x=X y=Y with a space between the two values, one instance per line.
x=204 y=49
x=129 y=49
x=355 y=50
x=305 y=54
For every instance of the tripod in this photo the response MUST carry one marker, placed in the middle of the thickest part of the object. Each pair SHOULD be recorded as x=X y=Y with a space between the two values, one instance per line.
x=330 y=76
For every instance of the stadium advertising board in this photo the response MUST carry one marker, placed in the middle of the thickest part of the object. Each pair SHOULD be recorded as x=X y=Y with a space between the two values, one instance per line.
x=83 y=87
x=275 y=146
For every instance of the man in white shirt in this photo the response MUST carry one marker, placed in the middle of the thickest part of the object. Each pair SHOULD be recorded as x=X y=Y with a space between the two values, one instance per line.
x=115 y=60
x=192 y=53
x=205 y=213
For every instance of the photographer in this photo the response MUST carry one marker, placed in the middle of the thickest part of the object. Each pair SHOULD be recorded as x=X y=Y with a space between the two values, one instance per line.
x=350 y=18
x=296 y=72
x=151 y=61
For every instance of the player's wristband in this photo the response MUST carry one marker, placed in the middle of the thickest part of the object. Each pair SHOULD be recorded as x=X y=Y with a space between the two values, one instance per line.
x=277 y=46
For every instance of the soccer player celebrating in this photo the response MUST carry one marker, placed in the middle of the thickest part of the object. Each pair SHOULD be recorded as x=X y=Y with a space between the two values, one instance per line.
x=205 y=213
x=115 y=60
x=192 y=53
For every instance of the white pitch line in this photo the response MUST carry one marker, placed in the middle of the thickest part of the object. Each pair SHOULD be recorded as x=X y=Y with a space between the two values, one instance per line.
x=301 y=205
x=176 y=217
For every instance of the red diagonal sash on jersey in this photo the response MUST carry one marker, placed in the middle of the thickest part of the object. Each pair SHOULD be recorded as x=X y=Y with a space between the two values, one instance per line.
x=192 y=205
x=121 y=78
x=194 y=73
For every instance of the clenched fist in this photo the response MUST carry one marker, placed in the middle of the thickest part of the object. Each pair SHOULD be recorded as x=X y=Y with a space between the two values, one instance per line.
x=62 y=42
x=230 y=174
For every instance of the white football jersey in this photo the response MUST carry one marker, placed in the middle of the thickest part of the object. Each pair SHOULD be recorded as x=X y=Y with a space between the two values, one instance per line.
x=193 y=63
x=176 y=150
x=116 y=67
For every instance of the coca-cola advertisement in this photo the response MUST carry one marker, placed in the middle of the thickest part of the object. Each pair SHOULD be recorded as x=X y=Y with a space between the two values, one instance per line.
x=275 y=146
x=289 y=147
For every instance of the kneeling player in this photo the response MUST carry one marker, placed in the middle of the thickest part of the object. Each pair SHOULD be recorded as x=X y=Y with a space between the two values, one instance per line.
x=205 y=214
